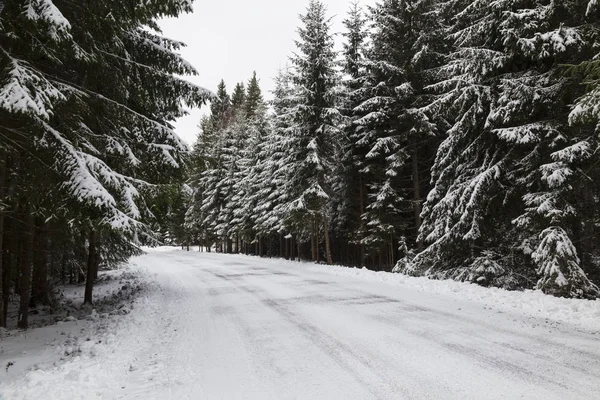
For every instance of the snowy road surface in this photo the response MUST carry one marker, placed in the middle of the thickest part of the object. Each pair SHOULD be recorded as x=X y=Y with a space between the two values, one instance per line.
x=233 y=327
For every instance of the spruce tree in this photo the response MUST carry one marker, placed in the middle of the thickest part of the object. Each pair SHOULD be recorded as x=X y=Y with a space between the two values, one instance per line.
x=275 y=161
x=238 y=97
x=254 y=98
x=315 y=127
x=390 y=130
x=104 y=142
x=348 y=181
x=504 y=176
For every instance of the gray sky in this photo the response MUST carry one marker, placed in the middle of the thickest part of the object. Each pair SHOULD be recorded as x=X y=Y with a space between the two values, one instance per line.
x=231 y=38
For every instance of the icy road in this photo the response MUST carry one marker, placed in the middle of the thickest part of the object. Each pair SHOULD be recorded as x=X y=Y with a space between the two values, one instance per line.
x=232 y=327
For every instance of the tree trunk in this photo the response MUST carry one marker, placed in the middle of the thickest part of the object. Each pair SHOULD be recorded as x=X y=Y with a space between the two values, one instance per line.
x=96 y=265
x=81 y=258
x=417 y=193
x=97 y=259
x=40 y=293
x=260 y=246
x=26 y=264
x=281 y=245
x=2 y=184
x=313 y=240
x=317 y=241
x=327 y=245
x=89 y=282
x=392 y=250
x=7 y=257
x=362 y=225
x=287 y=248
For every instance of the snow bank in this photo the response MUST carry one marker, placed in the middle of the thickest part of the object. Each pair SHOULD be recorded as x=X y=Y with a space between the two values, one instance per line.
x=69 y=330
x=584 y=314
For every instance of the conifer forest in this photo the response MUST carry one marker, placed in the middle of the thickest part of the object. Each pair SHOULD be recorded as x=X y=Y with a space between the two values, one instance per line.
x=300 y=199
x=451 y=139
x=454 y=139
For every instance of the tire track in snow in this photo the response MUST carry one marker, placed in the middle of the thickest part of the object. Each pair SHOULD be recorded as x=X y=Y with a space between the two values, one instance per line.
x=358 y=365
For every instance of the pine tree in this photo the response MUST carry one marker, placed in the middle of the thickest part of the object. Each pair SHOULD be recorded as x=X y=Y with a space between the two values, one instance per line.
x=274 y=162
x=238 y=97
x=254 y=98
x=106 y=141
x=220 y=108
x=390 y=131
x=254 y=126
x=503 y=175
x=348 y=183
x=199 y=162
x=315 y=126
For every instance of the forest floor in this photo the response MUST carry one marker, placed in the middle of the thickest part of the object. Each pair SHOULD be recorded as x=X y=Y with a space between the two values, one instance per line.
x=67 y=329
x=211 y=326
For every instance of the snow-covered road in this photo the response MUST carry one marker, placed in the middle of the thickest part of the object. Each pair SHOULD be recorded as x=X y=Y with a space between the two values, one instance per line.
x=232 y=327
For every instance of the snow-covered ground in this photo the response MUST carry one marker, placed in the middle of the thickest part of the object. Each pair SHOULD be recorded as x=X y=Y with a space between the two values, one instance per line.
x=68 y=329
x=211 y=326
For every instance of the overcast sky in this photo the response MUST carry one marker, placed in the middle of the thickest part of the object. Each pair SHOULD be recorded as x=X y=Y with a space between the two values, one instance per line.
x=231 y=38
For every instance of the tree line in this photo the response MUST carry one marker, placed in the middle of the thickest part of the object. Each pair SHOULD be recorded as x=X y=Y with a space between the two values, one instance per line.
x=86 y=147
x=454 y=139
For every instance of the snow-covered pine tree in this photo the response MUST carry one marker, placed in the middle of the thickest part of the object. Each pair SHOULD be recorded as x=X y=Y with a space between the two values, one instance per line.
x=238 y=97
x=468 y=167
x=234 y=139
x=256 y=128
x=271 y=194
x=349 y=189
x=554 y=168
x=586 y=116
x=390 y=131
x=199 y=162
x=3 y=172
x=209 y=171
x=220 y=109
x=315 y=127
x=107 y=140
x=254 y=99
x=505 y=177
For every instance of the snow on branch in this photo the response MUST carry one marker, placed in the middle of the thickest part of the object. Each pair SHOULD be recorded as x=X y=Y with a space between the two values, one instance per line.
x=558 y=266
x=87 y=179
x=46 y=11
x=156 y=46
x=26 y=91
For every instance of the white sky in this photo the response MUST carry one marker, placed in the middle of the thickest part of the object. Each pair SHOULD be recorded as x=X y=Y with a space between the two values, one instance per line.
x=231 y=38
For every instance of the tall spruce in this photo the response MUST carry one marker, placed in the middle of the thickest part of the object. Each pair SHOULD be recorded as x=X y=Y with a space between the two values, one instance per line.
x=349 y=187
x=391 y=130
x=315 y=128
x=504 y=198
x=103 y=143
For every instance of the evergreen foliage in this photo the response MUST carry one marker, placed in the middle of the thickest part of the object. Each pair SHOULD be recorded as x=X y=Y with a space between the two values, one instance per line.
x=455 y=139
x=86 y=96
x=448 y=138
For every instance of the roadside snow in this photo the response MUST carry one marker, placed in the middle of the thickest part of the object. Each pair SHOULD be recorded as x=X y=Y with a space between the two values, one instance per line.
x=584 y=314
x=68 y=331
